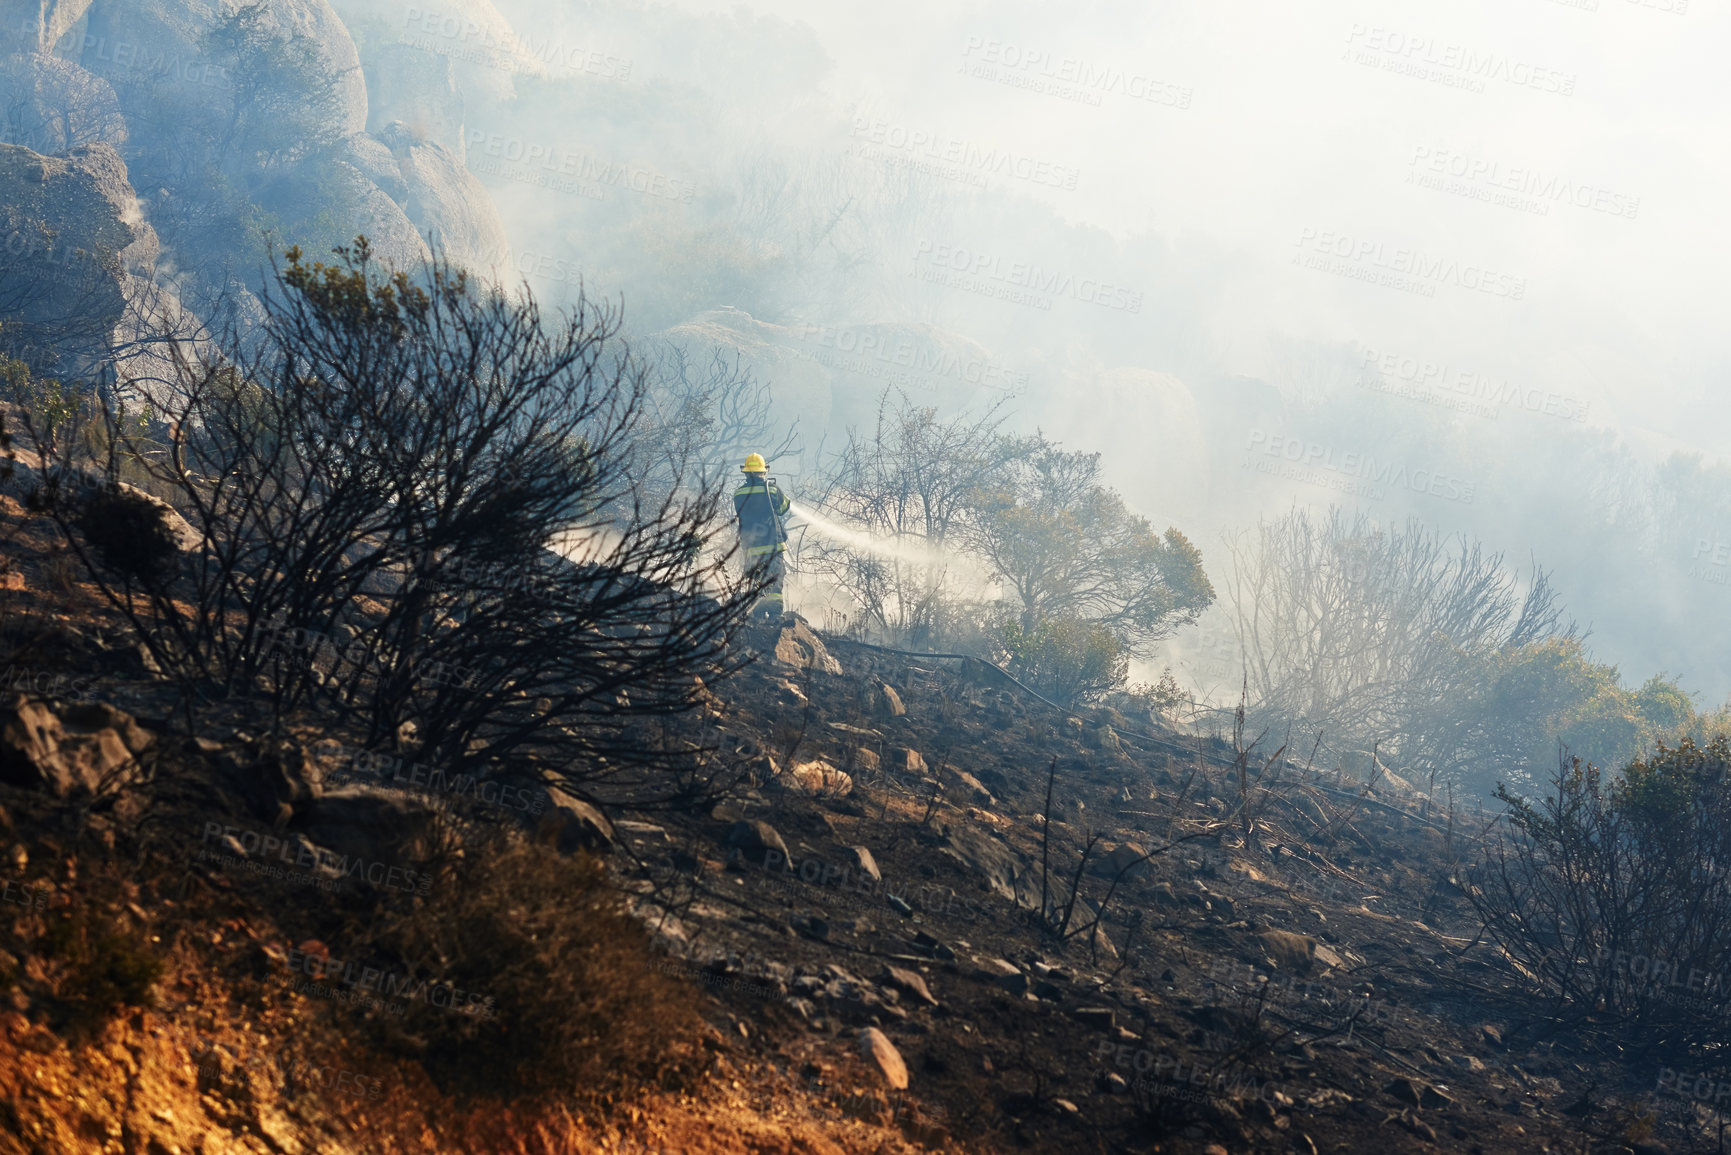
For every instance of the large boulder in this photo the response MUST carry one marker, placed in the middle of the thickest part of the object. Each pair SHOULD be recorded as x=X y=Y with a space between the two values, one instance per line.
x=363 y=822
x=409 y=88
x=70 y=235
x=40 y=24
x=84 y=749
x=480 y=46
x=446 y=203
x=53 y=105
x=294 y=57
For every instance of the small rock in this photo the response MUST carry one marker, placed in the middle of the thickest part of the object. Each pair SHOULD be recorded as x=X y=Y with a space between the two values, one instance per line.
x=1113 y=1083
x=877 y=1049
x=817 y=779
x=913 y=762
x=858 y=858
x=886 y=702
x=1049 y=991
x=1404 y=1089
x=1492 y=1035
x=1100 y=1018
x=755 y=839
x=1070 y=1108
x=571 y=824
x=900 y=906
x=975 y=791
x=1288 y=951
x=865 y=761
x=910 y=982
x=926 y=944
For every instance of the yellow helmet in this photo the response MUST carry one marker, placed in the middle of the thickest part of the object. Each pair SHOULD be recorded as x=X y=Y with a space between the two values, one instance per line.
x=754 y=464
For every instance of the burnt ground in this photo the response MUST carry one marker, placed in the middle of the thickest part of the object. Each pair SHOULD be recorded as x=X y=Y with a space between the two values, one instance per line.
x=1309 y=979
x=1313 y=979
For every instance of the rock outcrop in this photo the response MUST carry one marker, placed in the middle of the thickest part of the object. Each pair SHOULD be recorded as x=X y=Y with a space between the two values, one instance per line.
x=85 y=749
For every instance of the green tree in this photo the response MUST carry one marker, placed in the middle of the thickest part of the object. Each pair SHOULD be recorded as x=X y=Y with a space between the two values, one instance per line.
x=1067 y=548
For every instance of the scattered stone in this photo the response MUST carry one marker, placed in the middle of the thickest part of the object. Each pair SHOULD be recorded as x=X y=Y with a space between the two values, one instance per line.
x=1403 y=1089
x=865 y=761
x=1113 y=1083
x=1288 y=951
x=817 y=779
x=1100 y=1018
x=910 y=982
x=912 y=761
x=858 y=858
x=927 y=945
x=975 y=792
x=1492 y=1035
x=1070 y=1108
x=1049 y=991
x=86 y=748
x=755 y=839
x=900 y=906
x=641 y=829
x=359 y=822
x=801 y=649
x=877 y=1049
x=1163 y=894
x=886 y=703
x=1129 y=858
x=571 y=824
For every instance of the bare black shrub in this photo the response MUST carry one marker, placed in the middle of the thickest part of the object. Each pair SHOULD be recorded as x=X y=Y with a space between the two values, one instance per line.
x=416 y=517
x=1612 y=899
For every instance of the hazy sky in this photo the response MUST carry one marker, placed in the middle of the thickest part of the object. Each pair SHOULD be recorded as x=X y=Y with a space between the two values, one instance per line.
x=1311 y=117
x=1252 y=203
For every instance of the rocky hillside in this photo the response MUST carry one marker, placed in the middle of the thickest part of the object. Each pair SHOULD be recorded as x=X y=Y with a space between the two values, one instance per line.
x=1241 y=955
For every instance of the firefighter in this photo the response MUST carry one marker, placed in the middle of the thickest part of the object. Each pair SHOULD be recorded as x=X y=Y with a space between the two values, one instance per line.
x=760 y=505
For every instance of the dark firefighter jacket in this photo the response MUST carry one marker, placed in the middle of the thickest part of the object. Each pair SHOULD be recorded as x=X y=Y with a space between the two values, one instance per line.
x=760 y=505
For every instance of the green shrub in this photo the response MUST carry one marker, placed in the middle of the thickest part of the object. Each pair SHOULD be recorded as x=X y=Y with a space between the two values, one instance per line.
x=1068 y=660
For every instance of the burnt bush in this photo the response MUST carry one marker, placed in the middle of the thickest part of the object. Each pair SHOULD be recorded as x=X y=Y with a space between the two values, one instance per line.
x=1612 y=897
x=560 y=994
x=129 y=533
